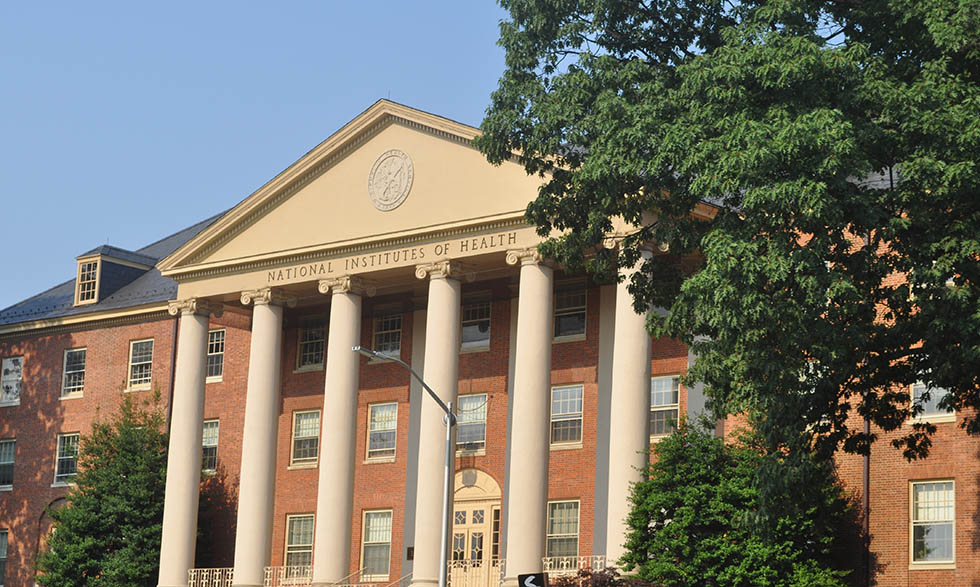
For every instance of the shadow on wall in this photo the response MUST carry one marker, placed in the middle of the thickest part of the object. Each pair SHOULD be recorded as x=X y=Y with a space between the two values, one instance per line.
x=216 y=520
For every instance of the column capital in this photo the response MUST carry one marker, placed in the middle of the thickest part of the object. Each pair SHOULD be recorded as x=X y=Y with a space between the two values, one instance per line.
x=194 y=306
x=267 y=295
x=346 y=284
x=445 y=269
x=528 y=256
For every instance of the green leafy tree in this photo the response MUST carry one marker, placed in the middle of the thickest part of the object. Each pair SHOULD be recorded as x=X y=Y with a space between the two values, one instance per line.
x=693 y=521
x=838 y=144
x=108 y=534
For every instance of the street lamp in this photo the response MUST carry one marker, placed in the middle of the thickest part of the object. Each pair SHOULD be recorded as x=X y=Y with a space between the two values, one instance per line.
x=450 y=422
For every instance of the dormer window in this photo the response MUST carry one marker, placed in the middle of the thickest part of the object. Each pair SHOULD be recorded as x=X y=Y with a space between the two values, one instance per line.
x=103 y=271
x=86 y=286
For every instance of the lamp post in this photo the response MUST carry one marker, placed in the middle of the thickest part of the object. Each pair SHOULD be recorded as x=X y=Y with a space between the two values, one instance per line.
x=450 y=422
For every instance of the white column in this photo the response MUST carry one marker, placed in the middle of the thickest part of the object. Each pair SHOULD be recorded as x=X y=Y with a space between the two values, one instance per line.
x=527 y=485
x=441 y=368
x=335 y=492
x=184 y=455
x=253 y=537
x=629 y=412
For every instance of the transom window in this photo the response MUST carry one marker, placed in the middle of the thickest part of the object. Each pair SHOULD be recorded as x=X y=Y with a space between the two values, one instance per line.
x=299 y=543
x=570 y=309
x=664 y=393
x=67 y=458
x=928 y=398
x=376 y=545
x=382 y=430
x=932 y=522
x=566 y=414
x=471 y=422
x=8 y=449
x=388 y=334
x=140 y=363
x=216 y=354
x=306 y=437
x=88 y=276
x=311 y=344
x=11 y=379
x=209 y=447
x=73 y=380
x=562 y=529
x=475 y=332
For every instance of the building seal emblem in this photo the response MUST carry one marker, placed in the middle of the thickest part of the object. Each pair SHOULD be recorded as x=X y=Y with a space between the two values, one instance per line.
x=390 y=179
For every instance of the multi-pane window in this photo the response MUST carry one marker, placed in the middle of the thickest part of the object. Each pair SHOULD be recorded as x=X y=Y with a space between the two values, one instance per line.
x=88 y=274
x=471 y=422
x=562 y=529
x=388 y=334
x=306 y=437
x=216 y=354
x=3 y=555
x=664 y=393
x=932 y=522
x=928 y=398
x=570 y=310
x=475 y=333
x=209 y=447
x=140 y=363
x=311 y=343
x=73 y=380
x=382 y=430
x=8 y=448
x=566 y=414
x=11 y=377
x=376 y=544
x=299 y=542
x=67 y=458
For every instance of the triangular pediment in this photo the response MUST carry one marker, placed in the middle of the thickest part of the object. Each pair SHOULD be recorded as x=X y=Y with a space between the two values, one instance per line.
x=345 y=192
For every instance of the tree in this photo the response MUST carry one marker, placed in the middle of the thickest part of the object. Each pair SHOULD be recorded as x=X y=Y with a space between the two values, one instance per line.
x=812 y=168
x=108 y=534
x=691 y=520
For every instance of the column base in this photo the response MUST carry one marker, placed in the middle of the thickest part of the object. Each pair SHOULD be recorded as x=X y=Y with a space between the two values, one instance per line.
x=424 y=582
x=247 y=585
x=509 y=582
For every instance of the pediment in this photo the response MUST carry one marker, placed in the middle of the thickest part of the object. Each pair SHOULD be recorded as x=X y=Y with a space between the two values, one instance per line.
x=323 y=201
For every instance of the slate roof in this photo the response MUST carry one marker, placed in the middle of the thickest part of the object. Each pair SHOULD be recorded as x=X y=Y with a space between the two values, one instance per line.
x=149 y=287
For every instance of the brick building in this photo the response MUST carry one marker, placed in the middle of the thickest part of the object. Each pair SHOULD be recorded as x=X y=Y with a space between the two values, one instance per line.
x=295 y=460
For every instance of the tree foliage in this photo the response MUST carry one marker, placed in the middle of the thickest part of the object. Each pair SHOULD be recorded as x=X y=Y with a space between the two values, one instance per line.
x=108 y=534
x=838 y=144
x=693 y=521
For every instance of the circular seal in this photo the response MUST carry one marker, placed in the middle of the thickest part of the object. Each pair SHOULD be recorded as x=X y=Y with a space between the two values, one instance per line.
x=390 y=179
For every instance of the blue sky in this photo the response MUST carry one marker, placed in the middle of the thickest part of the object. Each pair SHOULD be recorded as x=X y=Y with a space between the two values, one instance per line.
x=123 y=122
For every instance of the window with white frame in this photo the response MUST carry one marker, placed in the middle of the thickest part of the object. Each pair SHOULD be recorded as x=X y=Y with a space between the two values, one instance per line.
x=3 y=556
x=471 y=422
x=388 y=334
x=140 y=363
x=562 y=529
x=73 y=378
x=382 y=430
x=306 y=438
x=664 y=406
x=299 y=542
x=11 y=380
x=932 y=521
x=566 y=414
x=376 y=545
x=88 y=278
x=311 y=343
x=928 y=398
x=570 y=309
x=209 y=447
x=8 y=449
x=67 y=458
x=216 y=354
x=475 y=330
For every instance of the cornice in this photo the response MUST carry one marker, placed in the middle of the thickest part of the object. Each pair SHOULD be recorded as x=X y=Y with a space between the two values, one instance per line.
x=149 y=313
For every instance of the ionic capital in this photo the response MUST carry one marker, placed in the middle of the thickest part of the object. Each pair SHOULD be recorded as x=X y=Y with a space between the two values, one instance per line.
x=194 y=306
x=445 y=269
x=528 y=256
x=267 y=295
x=346 y=284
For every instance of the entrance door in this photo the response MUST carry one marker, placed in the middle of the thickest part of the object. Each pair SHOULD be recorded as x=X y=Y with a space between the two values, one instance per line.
x=475 y=545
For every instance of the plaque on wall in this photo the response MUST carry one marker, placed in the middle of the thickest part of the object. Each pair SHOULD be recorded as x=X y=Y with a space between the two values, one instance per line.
x=390 y=179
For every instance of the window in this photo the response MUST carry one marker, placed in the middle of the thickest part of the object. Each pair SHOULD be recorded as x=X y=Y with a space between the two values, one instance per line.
x=67 y=465
x=475 y=332
x=11 y=377
x=664 y=392
x=471 y=422
x=88 y=277
x=216 y=354
x=376 y=545
x=932 y=522
x=3 y=555
x=566 y=414
x=562 y=529
x=382 y=430
x=140 y=363
x=209 y=447
x=299 y=543
x=570 y=310
x=7 y=450
x=388 y=334
x=311 y=338
x=73 y=380
x=306 y=438
x=928 y=398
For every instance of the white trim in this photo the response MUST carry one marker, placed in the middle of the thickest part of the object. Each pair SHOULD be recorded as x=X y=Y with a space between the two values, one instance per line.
x=551 y=417
x=391 y=525
x=64 y=374
x=385 y=458
x=665 y=407
x=578 y=526
x=306 y=462
x=927 y=565
x=145 y=385
x=285 y=549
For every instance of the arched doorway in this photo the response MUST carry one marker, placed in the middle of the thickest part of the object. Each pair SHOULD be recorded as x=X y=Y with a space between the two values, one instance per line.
x=474 y=542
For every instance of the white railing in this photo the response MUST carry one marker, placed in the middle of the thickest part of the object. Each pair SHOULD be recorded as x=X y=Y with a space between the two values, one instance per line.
x=209 y=577
x=294 y=575
x=475 y=573
x=571 y=565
